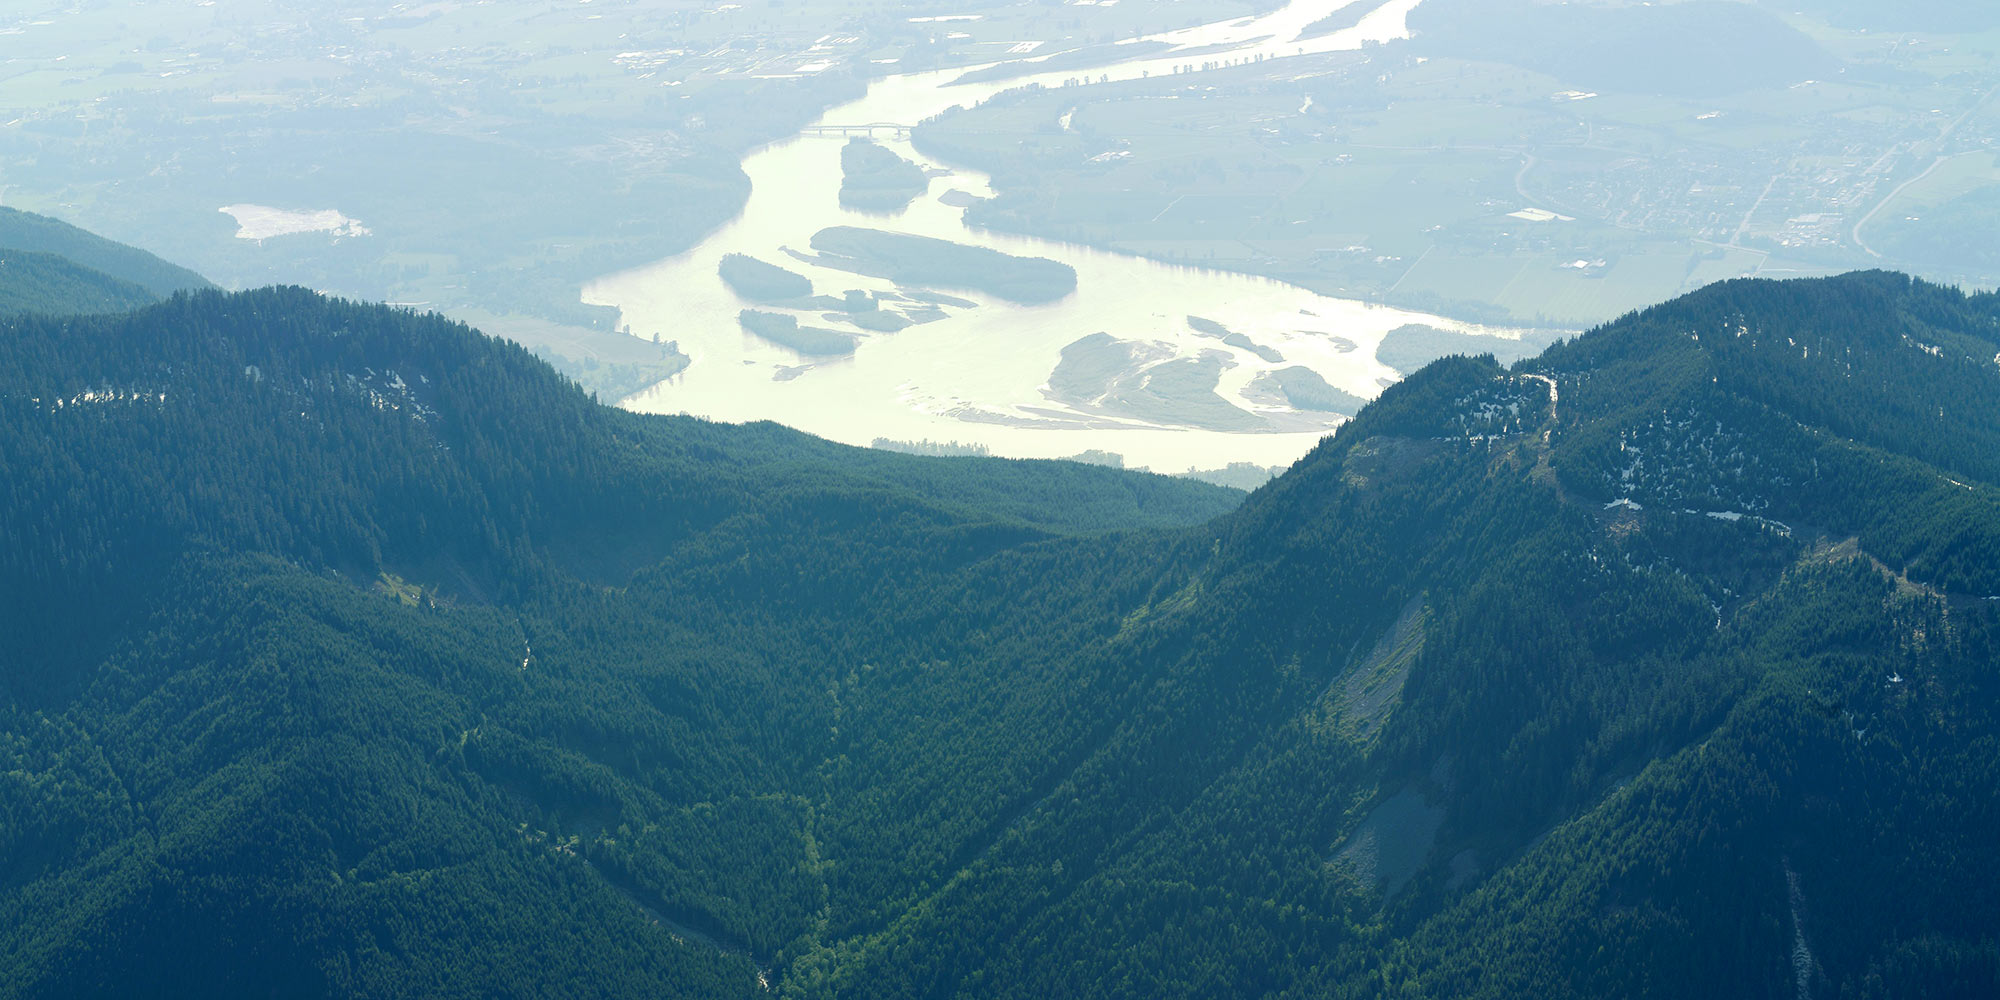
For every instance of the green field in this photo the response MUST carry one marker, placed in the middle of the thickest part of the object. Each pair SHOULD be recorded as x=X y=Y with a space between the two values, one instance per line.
x=1950 y=179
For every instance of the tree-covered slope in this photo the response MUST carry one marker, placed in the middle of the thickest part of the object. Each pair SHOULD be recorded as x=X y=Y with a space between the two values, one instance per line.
x=27 y=231
x=363 y=439
x=1862 y=405
x=1437 y=715
x=32 y=282
x=351 y=653
x=266 y=558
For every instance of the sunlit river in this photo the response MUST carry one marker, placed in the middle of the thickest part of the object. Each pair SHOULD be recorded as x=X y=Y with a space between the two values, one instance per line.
x=979 y=375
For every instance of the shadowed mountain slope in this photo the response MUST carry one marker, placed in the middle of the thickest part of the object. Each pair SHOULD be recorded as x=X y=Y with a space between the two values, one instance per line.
x=352 y=653
x=27 y=231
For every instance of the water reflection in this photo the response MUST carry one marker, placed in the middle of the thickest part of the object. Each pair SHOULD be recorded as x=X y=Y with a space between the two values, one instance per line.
x=981 y=374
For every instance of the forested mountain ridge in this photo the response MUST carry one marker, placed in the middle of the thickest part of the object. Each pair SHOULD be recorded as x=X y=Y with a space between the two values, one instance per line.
x=1844 y=404
x=354 y=654
x=244 y=532
x=38 y=233
x=1452 y=715
x=364 y=439
x=53 y=285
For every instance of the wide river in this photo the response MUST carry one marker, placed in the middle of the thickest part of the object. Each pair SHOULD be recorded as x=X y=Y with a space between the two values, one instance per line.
x=981 y=374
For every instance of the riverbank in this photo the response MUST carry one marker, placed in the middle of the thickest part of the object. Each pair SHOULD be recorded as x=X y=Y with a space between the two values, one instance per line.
x=983 y=375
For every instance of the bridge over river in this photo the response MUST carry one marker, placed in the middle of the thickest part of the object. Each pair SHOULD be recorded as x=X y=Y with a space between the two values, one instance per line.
x=893 y=130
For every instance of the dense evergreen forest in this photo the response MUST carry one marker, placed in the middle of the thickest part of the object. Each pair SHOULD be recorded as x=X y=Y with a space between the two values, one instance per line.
x=27 y=231
x=349 y=652
x=55 y=269
x=32 y=282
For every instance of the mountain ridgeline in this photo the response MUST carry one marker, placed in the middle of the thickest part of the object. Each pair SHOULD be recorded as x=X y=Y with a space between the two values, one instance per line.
x=85 y=250
x=350 y=652
x=32 y=282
